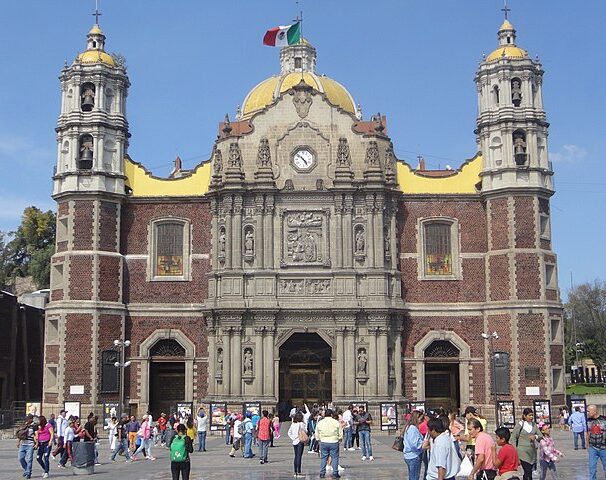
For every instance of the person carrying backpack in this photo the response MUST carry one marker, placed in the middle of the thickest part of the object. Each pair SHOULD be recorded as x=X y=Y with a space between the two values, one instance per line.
x=25 y=442
x=180 y=448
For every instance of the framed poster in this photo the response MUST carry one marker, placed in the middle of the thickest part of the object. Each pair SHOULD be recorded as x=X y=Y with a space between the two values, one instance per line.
x=252 y=407
x=184 y=410
x=110 y=410
x=217 y=416
x=542 y=411
x=389 y=416
x=72 y=409
x=507 y=415
x=418 y=406
x=578 y=402
x=33 y=408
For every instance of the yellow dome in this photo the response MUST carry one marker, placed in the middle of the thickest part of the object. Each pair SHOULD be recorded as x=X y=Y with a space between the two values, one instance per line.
x=268 y=90
x=507 y=52
x=96 y=56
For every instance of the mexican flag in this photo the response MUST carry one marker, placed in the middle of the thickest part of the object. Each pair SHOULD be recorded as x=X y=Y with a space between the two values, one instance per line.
x=283 y=36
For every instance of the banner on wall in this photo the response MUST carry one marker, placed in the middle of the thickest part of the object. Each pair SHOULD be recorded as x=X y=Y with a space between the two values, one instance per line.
x=184 y=410
x=581 y=403
x=110 y=410
x=72 y=409
x=217 y=416
x=389 y=416
x=542 y=411
x=418 y=406
x=507 y=415
x=33 y=408
x=253 y=407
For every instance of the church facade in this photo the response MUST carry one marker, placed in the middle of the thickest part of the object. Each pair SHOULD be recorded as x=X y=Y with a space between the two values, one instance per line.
x=303 y=261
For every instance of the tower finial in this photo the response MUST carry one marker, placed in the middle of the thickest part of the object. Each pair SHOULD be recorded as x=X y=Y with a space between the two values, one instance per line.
x=97 y=13
x=506 y=10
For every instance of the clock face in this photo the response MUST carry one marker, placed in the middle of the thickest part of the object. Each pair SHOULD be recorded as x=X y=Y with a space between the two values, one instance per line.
x=303 y=159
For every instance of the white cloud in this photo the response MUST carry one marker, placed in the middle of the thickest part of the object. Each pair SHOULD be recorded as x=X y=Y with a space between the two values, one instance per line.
x=568 y=154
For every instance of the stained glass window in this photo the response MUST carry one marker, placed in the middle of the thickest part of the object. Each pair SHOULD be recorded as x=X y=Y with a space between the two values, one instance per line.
x=438 y=249
x=169 y=249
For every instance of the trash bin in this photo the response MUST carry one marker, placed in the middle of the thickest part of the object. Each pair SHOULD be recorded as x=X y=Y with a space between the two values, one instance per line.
x=84 y=458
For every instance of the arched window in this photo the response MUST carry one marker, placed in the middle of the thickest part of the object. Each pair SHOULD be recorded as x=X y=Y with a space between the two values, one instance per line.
x=441 y=349
x=519 y=147
x=516 y=91
x=85 y=155
x=495 y=94
x=438 y=248
x=170 y=249
x=167 y=347
x=87 y=97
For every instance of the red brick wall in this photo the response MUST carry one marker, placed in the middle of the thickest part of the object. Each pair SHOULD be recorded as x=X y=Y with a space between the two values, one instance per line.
x=109 y=275
x=52 y=354
x=499 y=222
x=83 y=225
x=108 y=212
x=80 y=277
x=499 y=277
x=525 y=227
x=528 y=280
x=557 y=355
x=78 y=355
x=531 y=353
x=62 y=209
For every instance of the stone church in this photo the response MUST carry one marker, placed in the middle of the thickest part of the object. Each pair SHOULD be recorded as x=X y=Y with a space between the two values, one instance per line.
x=303 y=261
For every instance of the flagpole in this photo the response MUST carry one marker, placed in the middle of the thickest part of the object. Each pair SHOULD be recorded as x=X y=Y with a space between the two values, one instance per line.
x=301 y=42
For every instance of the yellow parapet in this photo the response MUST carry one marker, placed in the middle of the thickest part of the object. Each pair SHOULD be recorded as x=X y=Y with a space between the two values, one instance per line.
x=143 y=184
x=460 y=181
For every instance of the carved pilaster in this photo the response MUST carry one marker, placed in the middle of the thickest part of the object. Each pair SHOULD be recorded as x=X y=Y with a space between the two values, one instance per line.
x=237 y=232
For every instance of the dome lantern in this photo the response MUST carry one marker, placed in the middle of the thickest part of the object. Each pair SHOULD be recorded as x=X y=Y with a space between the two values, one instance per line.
x=298 y=58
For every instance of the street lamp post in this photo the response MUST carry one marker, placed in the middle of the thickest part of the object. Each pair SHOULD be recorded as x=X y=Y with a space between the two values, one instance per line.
x=122 y=364
x=491 y=337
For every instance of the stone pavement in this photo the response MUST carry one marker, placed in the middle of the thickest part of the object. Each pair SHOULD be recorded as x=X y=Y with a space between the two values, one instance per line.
x=215 y=464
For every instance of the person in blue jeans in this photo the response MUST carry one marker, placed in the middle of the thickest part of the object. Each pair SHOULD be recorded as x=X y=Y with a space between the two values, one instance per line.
x=329 y=433
x=578 y=425
x=201 y=426
x=596 y=437
x=25 y=442
x=413 y=446
x=363 y=422
x=248 y=436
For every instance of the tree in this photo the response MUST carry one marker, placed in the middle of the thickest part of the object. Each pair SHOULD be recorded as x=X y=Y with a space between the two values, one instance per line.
x=586 y=309
x=29 y=251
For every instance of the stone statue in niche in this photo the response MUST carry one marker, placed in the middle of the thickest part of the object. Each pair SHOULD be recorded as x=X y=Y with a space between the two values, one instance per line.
x=220 y=361
x=264 y=155
x=519 y=148
x=249 y=242
x=360 y=241
x=386 y=242
x=222 y=240
x=362 y=361
x=516 y=93
x=343 y=154
x=248 y=361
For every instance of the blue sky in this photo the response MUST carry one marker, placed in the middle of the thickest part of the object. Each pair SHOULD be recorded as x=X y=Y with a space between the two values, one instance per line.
x=190 y=62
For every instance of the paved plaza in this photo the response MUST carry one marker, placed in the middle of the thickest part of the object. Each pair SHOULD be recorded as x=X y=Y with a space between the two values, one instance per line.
x=215 y=464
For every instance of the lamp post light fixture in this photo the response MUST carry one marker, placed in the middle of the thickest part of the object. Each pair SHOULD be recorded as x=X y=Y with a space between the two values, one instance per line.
x=122 y=364
x=491 y=337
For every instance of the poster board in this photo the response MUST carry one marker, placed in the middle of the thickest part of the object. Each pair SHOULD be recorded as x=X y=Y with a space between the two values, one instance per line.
x=33 y=408
x=542 y=411
x=72 y=409
x=252 y=407
x=389 y=416
x=110 y=410
x=418 y=406
x=217 y=416
x=581 y=403
x=507 y=413
x=184 y=410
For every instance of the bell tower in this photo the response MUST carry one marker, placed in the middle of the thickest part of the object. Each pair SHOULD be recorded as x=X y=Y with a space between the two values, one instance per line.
x=92 y=131
x=511 y=124
x=87 y=306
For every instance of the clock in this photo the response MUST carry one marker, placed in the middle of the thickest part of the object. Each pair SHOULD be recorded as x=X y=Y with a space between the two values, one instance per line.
x=303 y=159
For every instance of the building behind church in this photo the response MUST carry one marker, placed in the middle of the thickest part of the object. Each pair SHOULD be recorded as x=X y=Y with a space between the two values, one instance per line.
x=303 y=261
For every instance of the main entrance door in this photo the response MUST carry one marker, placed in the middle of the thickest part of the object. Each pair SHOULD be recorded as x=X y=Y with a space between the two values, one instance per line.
x=442 y=388
x=305 y=369
x=167 y=376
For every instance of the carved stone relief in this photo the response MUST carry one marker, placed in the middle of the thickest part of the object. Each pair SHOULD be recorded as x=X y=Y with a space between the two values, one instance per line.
x=218 y=162
x=343 y=154
x=372 y=154
x=264 y=155
x=235 y=156
x=305 y=287
x=302 y=99
x=304 y=238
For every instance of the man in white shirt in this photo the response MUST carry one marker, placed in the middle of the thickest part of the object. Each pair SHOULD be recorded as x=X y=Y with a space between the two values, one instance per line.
x=444 y=463
x=201 y=425
x=347 y=419
x=61 y=427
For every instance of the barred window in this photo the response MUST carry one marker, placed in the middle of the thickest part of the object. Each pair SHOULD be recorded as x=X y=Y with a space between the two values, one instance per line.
x=438 y=249
x=169 y=249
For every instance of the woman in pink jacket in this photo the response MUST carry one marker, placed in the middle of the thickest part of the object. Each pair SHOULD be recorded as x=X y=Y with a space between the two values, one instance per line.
x=146 y=439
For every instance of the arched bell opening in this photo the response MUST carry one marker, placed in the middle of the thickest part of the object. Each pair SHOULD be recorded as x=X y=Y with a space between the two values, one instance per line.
x=85 y=158
x=87 y=100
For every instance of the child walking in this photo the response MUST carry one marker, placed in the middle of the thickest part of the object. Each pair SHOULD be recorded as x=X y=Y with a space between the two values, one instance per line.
x=548 y=455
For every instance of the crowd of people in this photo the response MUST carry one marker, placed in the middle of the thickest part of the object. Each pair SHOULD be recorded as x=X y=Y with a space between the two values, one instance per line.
x=436 y=445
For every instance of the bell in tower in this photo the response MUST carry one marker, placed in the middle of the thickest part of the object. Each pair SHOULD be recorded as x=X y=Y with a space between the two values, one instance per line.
x=85 y=161
x=88 y=97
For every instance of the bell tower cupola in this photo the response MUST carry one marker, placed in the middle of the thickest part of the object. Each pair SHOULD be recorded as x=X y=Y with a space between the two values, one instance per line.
x=511 y=126
x=92 y=130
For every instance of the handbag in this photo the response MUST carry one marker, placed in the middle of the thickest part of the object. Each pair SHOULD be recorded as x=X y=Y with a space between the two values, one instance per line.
x=398 y=444
x=236 y=444
x=303 y=437
x=466 y=467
